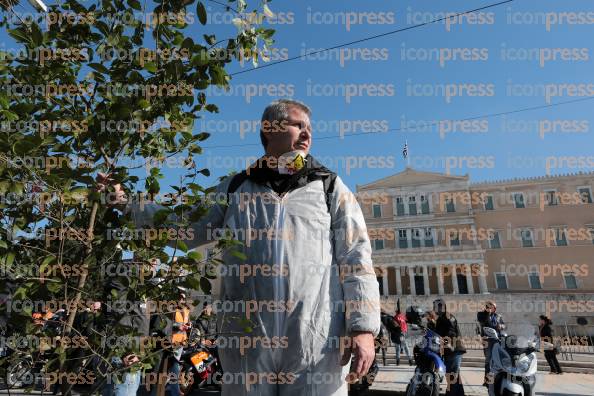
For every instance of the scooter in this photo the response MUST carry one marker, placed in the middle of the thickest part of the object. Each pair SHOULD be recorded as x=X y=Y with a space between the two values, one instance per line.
x=430 y=369
x=513 y=366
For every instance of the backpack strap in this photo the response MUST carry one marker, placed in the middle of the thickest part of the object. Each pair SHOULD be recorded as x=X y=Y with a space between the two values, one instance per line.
x=329 y=181
x=235 y=183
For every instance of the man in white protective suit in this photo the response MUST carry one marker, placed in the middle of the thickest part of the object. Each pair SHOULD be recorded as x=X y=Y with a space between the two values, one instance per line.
x=307 y=287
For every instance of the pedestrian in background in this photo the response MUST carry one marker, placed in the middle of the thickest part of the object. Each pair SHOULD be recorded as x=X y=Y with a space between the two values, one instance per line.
x=447 y=327
x=489 y=318
x=550 y=351
x=402 y=345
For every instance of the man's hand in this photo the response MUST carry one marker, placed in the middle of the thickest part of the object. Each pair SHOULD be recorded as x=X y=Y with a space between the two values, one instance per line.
x=129 y=360
x=363 y=347
x=118 y=197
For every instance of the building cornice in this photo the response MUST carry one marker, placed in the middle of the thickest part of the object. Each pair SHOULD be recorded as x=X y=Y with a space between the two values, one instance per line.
x=531 y=180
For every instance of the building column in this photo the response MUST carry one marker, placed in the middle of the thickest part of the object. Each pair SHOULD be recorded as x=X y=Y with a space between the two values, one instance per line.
x=455 y=280
x=411 y=280
x=468 y=273
x=439 y=274
x=385 y=281
x=398 y=281
x=482 y=279
x=426 y=281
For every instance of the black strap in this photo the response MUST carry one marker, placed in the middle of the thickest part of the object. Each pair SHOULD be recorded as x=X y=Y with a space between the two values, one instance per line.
x=328 y=180
x=235 y=183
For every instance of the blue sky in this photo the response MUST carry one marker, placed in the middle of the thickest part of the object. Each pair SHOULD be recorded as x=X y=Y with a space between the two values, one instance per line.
x=504 y=148
x=519 y=145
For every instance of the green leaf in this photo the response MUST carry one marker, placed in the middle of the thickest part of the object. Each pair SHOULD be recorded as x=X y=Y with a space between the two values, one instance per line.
x=239 y=255
x=182 y=245
x=99 y=67
x=268 y=12
x=36 y=35
x=194 y=255
x=135 y=4
x=201 y=11
x=151 y=67
x=10 y=116
x=3 y=244
x=19 y=35
x=205 y=285
x=200 y=59
x=8 y=259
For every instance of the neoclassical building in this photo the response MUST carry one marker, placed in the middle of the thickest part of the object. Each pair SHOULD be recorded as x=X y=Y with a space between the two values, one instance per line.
x=417 y=225
x=439 y=234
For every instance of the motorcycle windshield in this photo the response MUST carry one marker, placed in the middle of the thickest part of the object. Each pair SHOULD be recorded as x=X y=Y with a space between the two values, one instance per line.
x=520 y=337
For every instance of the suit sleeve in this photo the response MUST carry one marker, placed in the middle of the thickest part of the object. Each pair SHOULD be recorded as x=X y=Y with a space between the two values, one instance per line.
x=198 y=233
x=352 y=252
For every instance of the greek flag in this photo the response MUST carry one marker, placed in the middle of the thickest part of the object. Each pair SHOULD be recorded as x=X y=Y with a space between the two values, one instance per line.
x=405 y=150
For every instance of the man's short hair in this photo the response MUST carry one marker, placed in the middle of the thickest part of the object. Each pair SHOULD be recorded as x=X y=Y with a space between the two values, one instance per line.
x=279 y=111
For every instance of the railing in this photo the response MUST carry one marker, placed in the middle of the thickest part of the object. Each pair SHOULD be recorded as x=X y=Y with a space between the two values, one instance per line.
x=569 y=338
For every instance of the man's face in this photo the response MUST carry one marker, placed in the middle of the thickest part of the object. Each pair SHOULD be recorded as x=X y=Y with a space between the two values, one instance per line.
x=296 y=136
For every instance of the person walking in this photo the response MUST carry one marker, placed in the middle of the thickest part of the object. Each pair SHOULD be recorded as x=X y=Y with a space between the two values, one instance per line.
x=547 y=340
x=400 y=319
x=447 y=327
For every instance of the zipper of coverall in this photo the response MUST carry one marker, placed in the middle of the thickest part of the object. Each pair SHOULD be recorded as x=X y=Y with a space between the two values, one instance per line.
x=279 y=316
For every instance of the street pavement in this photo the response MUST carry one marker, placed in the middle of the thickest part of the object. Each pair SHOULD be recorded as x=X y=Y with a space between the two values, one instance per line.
x=394 y=379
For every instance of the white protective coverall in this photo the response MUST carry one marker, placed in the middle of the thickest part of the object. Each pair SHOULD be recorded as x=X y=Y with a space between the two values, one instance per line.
x=321 y=287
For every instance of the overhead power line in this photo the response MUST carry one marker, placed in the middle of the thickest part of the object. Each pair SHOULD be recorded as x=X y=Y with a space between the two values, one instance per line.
x=371 y=37
x=482 y=116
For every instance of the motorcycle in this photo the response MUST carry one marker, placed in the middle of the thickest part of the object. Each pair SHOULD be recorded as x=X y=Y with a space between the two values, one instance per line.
x=199 y=368
x=26 y=367
x=513 y=363
x=430 y=369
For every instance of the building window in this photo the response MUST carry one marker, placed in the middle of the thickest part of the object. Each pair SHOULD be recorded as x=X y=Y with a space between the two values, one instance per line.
x=379 y=244
x=454 y=238
x=412 y=205
x=377 y=210
x=550 y=197
x=402 y=239
x=586 y=194
x=450 y=207
x=501 y=280
x=494 y=241
x=416 y=238
x=527 y=238
x=428 y=237
x=399 y=206
x=424 y=204
x=560 y=237
x=570 y=280
x=488 y=202
x=534 y=280
x=519 y=200
x=380 y=281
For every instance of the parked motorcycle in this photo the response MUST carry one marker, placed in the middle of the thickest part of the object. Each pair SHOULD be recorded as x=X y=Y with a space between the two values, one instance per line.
x=513 y=363
x=199 y=368
x=430 y=369
x=25 y=367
